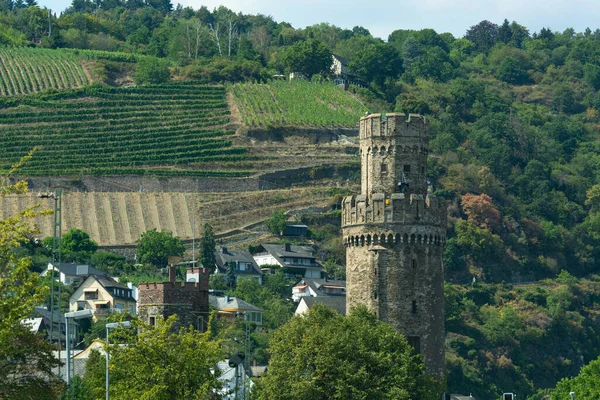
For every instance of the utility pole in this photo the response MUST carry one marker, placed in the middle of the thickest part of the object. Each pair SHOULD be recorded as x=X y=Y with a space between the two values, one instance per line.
x=56 y=256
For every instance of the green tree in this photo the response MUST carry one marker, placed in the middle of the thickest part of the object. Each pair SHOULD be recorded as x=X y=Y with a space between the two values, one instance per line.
x=324 y=355
x=77 y=246
x=77 y=390
x=483 y=35
x=511 y=70
x=231 y=278
x=276 y=224
x=207 y=248
x=586 y=385
x=152 y=70
x=159 y=363
x=308 y=57
x=94 y=378
x=156 y=247
x=26 y=359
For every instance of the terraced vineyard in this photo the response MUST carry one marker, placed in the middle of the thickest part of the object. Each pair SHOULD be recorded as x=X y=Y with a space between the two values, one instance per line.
x=100 y=130
x=26 y=70
x=120 y=218
x=296 y=103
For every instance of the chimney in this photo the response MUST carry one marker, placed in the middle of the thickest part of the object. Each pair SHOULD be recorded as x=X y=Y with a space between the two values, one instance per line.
x=287 y=247
x=172 y=273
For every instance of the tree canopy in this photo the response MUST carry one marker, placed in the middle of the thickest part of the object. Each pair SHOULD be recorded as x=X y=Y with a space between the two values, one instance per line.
x=156 y=247
x=75 y=246
x=308 y=57
x=324 y=355
x=26 y=358
x=158 y=363
x=208 y=259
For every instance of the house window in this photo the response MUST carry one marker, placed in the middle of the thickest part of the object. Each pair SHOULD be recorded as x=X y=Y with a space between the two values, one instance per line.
x=131 y=309
x=120 y=307
x=91 y=295
x=152 y=321
x=81 y=305
x=406 y=168
x=243 y=266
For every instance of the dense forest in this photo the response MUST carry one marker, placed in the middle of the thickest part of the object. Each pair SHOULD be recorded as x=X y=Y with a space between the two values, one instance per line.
x=514 y=126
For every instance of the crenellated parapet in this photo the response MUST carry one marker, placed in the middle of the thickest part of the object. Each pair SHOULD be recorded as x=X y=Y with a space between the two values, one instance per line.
x=399 y=125
x=394 y=209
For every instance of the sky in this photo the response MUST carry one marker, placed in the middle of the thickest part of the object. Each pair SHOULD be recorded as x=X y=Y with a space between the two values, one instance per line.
x=381 y=17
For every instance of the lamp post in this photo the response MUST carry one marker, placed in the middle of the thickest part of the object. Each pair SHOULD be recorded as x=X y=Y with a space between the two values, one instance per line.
x=111 y=325
x=73 y=315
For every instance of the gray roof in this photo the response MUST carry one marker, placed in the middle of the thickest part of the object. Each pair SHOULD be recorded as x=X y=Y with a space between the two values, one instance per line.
x=107 y=282
x=317 y=284
x=79 y=269
x=224 y=255
x=225 y=303
x=335 y=303
x=281 y=250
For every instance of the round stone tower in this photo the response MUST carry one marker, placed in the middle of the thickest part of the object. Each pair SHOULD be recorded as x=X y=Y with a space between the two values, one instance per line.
x=394 y=233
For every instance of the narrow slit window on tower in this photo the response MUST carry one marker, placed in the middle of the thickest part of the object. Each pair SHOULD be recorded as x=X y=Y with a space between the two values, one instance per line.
x=414 y=306
x=152 y=321
x=415 y=343
x=406 y=168
x=384 y=169
x=422 y=170
x=414 y=263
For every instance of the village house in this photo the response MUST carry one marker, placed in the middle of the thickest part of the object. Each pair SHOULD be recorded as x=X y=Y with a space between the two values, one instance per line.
x=334 y=303
x=329 y=292
x=242 y=262
x=68 y=273
x=293 y=260
x=232 y=307
x=339 y=66
x=310 y=287
x=102 y=295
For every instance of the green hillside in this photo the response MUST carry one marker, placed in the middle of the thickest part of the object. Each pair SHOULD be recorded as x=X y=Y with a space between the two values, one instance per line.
x=162 y=130
x=29 y=70
x=296 y=103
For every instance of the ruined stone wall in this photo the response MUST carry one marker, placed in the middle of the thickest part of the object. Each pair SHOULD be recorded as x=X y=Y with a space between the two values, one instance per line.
x=394 y=235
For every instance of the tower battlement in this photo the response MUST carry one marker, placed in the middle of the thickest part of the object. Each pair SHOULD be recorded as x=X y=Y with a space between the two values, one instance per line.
x=393 y=124
x=394 y=208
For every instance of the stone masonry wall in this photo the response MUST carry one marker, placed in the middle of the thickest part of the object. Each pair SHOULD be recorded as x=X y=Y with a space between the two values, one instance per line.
x=189 y=301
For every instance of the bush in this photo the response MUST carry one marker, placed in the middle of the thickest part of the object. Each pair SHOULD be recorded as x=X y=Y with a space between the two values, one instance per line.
x=152 y=70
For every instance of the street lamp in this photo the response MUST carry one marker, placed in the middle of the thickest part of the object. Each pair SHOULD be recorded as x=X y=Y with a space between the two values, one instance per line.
x=73 y=315
x=112 y=325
